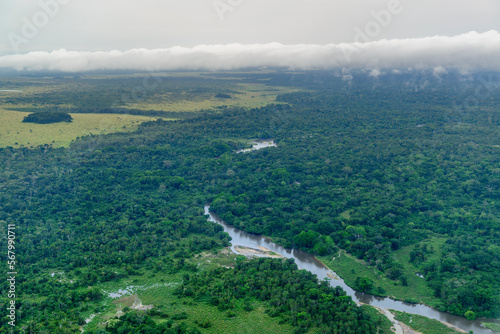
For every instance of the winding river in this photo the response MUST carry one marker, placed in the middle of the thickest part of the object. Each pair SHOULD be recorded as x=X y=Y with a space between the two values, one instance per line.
x=311 y=263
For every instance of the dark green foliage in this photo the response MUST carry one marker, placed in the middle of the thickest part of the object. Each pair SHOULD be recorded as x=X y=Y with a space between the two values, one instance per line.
x=291 y=294
x=137 y=322
x=383 y=323
x=48 y=117
x=114 y=110
x=363 y=284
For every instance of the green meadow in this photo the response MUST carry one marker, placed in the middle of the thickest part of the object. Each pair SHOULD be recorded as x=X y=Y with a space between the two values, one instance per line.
x=349 y=268
x=242 y=95
x=493 y=326
x=15 y=133
x=422 y=324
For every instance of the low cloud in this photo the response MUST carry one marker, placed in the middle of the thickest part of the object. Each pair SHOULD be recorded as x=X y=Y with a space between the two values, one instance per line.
x=470 y=51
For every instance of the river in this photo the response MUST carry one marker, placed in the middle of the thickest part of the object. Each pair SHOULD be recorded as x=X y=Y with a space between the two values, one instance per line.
x=259 y=144
x=309 y=262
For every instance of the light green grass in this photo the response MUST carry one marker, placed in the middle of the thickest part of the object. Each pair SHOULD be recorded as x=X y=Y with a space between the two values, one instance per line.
x=255 y=321
x=493 y=326
x=346 y=214
x=349 y=268
x=15 y=133
x=249 y=96
x=422 y=324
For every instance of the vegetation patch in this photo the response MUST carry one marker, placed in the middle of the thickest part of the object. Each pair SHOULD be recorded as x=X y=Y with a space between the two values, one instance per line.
x=383 y=323
x=362 y=277
x=48 y=118
x=422 y=324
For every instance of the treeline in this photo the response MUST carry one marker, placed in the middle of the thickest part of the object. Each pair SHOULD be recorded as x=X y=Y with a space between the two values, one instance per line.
x=39 y=112
x=138 y=112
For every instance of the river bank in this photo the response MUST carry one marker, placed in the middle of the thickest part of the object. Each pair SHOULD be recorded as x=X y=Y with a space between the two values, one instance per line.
x=261 y=251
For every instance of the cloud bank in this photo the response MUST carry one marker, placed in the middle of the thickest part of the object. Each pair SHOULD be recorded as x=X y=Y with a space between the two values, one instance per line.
x=470 y=51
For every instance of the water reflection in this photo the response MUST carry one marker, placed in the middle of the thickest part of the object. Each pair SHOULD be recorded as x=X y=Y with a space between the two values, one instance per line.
x=311 y=263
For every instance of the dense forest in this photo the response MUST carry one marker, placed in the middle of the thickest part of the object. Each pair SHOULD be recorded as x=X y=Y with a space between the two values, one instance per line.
x=368 y=167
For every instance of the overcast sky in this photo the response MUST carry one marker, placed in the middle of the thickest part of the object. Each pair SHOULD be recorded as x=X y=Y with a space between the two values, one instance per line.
x=105 y=25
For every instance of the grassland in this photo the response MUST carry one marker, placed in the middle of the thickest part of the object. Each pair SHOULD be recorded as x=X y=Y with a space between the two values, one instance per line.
x=242 y=95
x=422 y=324
x=16 y=134
x=349 y=268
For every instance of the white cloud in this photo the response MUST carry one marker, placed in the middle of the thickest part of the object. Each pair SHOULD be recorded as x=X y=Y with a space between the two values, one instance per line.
x=468 y=51
x=375 y=72
x=439 y=71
